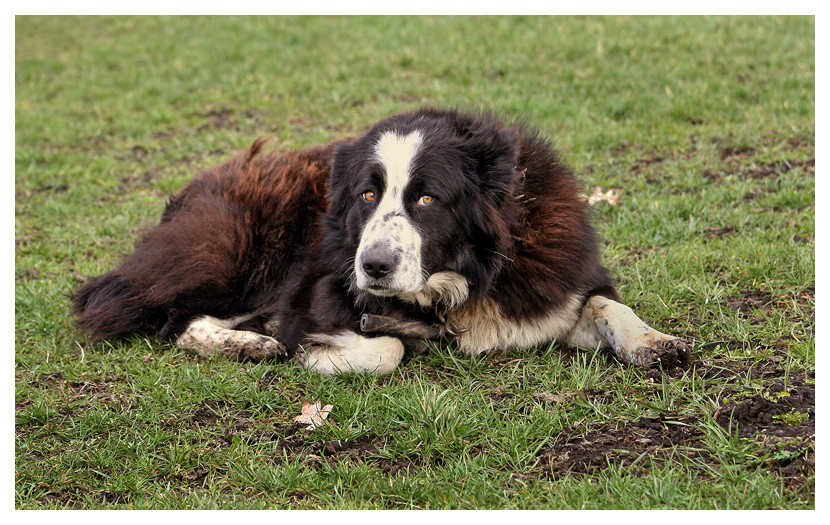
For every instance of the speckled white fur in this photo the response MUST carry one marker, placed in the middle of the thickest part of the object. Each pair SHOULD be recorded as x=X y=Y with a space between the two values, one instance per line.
x=389 y=226
x=207 y=336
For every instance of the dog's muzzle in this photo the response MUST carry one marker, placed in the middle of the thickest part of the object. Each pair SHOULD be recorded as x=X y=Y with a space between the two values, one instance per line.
x=378 y=261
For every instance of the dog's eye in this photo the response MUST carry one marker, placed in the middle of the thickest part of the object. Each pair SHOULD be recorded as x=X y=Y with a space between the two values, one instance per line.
x=368 y=196
x=425 y=200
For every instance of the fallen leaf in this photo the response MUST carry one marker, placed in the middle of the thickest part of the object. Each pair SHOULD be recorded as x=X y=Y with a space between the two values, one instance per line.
x=548 y=397
x=611 y=196
x=313 y=414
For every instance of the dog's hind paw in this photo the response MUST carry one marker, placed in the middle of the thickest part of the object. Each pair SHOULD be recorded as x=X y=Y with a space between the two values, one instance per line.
x=208 y=336
x=259 y=347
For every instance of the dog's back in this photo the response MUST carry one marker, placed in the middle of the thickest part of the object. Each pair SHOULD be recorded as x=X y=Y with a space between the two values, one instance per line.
x=223 y=247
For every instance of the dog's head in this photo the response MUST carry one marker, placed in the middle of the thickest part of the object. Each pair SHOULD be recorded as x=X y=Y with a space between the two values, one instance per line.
x=418 y=206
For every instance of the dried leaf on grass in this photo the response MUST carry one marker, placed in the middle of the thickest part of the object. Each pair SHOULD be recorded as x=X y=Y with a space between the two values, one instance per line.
x=611 y=196
x=549 y=398
x=313 y=414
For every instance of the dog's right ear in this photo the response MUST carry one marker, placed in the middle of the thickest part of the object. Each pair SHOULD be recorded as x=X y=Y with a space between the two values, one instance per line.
x=491 y=154
x=495 y=150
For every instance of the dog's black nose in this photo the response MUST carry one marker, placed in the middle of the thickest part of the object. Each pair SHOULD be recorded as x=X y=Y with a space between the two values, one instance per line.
x=378 y=262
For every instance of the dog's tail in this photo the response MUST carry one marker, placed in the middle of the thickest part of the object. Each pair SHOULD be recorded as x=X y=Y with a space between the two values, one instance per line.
x=108 y=306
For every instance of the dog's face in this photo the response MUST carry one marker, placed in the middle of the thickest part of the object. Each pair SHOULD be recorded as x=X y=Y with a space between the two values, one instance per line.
x=393 y=210
x=414 y=200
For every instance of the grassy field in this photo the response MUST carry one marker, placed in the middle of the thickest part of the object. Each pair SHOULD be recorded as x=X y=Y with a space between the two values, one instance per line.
x=706 y=125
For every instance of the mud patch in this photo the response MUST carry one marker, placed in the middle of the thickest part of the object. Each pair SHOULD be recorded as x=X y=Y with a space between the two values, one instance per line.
x=717 y=233
x=713 y=176
x=74 y=497
x=192 y=476
x=783 y=421
x=224 y=118
x=780 y=423
x=99 y=391
x=749 y=300
x=736 y=151
x=645 y=161
x=752 y=303
x=784 y=410
x=29 y=274
x=53 y=189
x=144 y=180
x=367 y=450
x=767 y=170
x=651 y=437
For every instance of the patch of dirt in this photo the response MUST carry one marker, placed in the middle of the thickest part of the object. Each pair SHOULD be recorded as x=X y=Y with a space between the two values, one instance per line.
x=114 y=497
x=644 y=161
x=54 y=189
x=749 y=300
x=65 y=498
x=224 y=118
x=50 y=380
x=72 y=496
x=717 y=233
x=100 y=391
x=767 y=170
x=291 y=440
x=235 y=419
x=627 y=444
x=736 y=151
x=192 y=476
x=144 y=179
x=713 y=176
x=782 y=411
x=296 y=442
x=28 y=274
x=781 y=420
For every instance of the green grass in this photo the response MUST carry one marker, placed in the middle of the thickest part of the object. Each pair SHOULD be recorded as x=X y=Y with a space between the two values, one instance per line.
x=706 y=124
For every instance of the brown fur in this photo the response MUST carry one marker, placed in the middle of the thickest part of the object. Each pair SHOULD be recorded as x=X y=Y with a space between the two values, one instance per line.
x=224 y=242
x=257 y=256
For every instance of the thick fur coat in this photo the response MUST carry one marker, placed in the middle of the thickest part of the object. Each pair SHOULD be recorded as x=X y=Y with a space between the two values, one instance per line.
x=435 y=216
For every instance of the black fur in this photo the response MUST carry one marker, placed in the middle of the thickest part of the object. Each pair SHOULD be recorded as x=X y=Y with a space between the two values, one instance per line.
x=277 y=235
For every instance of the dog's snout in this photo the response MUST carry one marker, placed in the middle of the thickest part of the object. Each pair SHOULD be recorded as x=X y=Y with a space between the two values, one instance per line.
x=378 y=262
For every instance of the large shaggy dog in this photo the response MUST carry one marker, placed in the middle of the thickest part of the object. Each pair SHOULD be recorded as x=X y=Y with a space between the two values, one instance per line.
x=442 y=220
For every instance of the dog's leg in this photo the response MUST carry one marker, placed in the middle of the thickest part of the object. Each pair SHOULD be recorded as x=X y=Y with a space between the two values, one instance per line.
x=349 y=352
x=208 y=336
x=605 y=323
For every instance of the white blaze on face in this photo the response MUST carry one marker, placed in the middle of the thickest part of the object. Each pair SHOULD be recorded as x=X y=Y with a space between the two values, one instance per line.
x=389 y=230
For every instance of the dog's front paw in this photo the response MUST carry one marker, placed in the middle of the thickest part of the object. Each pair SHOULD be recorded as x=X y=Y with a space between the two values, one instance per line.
x=662 y=350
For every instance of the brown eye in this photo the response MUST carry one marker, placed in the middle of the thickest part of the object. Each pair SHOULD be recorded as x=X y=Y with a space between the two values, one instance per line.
x=369 y=196
x=425 y=200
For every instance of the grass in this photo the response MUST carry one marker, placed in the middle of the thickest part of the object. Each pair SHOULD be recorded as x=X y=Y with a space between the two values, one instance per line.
x=706 y=124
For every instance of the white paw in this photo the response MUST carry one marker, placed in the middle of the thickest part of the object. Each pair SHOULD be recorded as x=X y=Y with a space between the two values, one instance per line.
x=348 y=352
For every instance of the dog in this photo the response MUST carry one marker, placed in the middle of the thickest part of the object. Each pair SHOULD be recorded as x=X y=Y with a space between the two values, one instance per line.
x=437 y=218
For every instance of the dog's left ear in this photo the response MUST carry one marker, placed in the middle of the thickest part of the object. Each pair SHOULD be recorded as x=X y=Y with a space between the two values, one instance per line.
x=494 y=156
x=344 y=162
